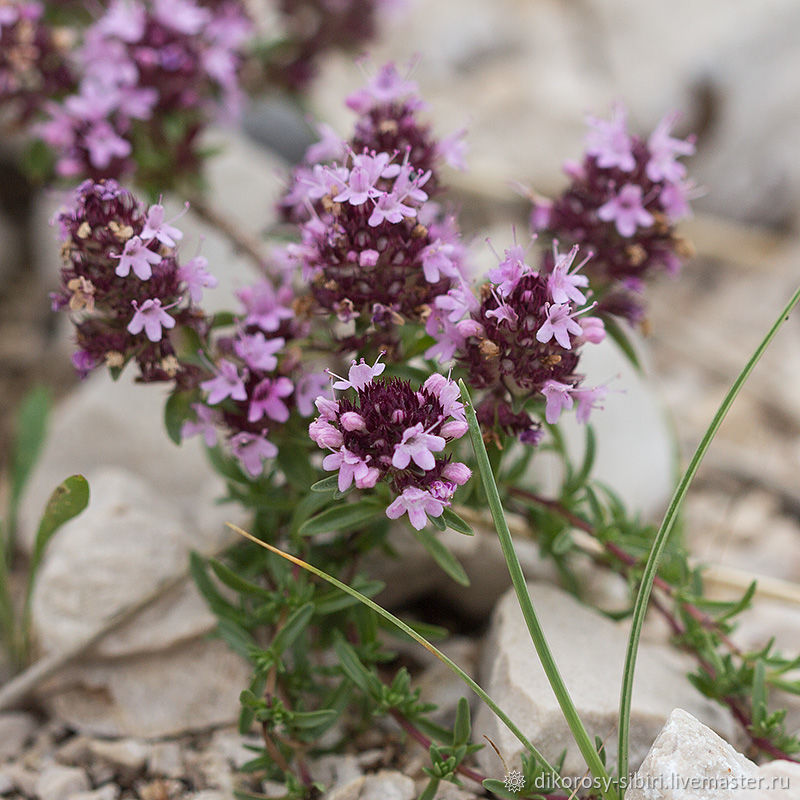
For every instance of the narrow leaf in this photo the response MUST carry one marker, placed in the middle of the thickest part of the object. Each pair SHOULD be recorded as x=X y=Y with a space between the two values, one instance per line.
x=291 y=629
x=343 y=516
x=442 y=556
x=176 y=411
x=329 y=484
x=68 y=499
x=620 y=338
x=462 y=727
x=454 y=522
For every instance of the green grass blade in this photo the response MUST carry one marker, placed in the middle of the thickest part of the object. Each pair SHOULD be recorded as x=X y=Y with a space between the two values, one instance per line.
x=660 y=541
x=579 y=733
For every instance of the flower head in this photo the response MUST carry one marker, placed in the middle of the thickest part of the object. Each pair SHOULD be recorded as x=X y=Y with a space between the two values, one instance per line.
x=389 y=431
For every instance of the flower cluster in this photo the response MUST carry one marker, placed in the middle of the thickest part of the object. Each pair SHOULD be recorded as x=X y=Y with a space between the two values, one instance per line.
x=257 y=379
x=376 y=251
x=33 y=59
x=152 y=73
x=521 y=341
x=622 y=204
x=386 y=431
x=122 y=278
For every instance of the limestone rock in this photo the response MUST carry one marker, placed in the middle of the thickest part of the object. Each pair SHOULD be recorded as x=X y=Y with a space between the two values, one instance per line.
x=191 y=687
x=589 y=650
x=688 y=761
x=106 y=792
x=16 y=728
x=384 y=785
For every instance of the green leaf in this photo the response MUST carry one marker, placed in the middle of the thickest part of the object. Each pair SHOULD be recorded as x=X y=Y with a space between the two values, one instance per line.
x=236 y=637
x=329 y=484
x=344 y=516
x=454 y=522
x=620 y=337
x=176 y=411
x=291 y=629
x=759 y=694
x=579 y=479
x=234 y=581
x=313 y=719
x=562 y=543
x=462 y=727
x=333 y=601
x=216 y=602
x=68 y=499
x=352 y=667
x=498 y=787
x=438 y=522
x=442 y=556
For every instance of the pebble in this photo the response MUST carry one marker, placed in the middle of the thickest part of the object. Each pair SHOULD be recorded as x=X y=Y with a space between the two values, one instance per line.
x=106 y=792
x=165 y=760
x=57 y=781
x=127 y=755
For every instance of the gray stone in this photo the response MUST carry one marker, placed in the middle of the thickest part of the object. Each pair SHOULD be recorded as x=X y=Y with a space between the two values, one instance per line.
x=335 y=770
x=20 y=777
x=56 y=781
x=6 y=784
x=589 y=650
x=16 y=728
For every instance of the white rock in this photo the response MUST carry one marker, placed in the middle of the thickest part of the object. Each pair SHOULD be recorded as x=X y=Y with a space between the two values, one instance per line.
x=106 y=792
x=385 y=785
x=127 y=755
x=6 y=784
x=191 y=687
x=688 y=761
x=56 y=781
x=777 y=780
x=20 y=777
x=589 y=650
x=335 y=770
x=16 y=728
x=166 y=760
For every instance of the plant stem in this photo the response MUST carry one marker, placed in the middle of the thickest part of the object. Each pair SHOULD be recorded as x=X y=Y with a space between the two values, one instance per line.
x=657 y=550
x=425 y=742
x=579 y=733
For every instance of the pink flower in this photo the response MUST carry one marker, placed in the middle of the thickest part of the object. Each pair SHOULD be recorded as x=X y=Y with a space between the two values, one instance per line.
x=324 y=434
x=418 y=504
x=588 y=400
x=352 y=421
x=151 y=318
x=257 y=351
x=228 y=383
x=674 y=199
x=307 y=389
x=195 y=275
x=364 y=174
x=508 y=272
x=438 y=260
x=266 y=399
x=626 y=210
x=138 y=257
x=594 y=330
x=448 y=394
x=609 y=142
x=559 y=324
x=207 y=420
x=183 y=16
x=386 y=87
x=664 y=149
x=457 y=472
x=252 y=450
x=563 y=283
x=156 y=228
x=104 y=144
x=351 y=468
x=390 y=208
x=417 y=446
x=558 y=397
x=265 y=307
x=124 y=20
x=359 y=375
